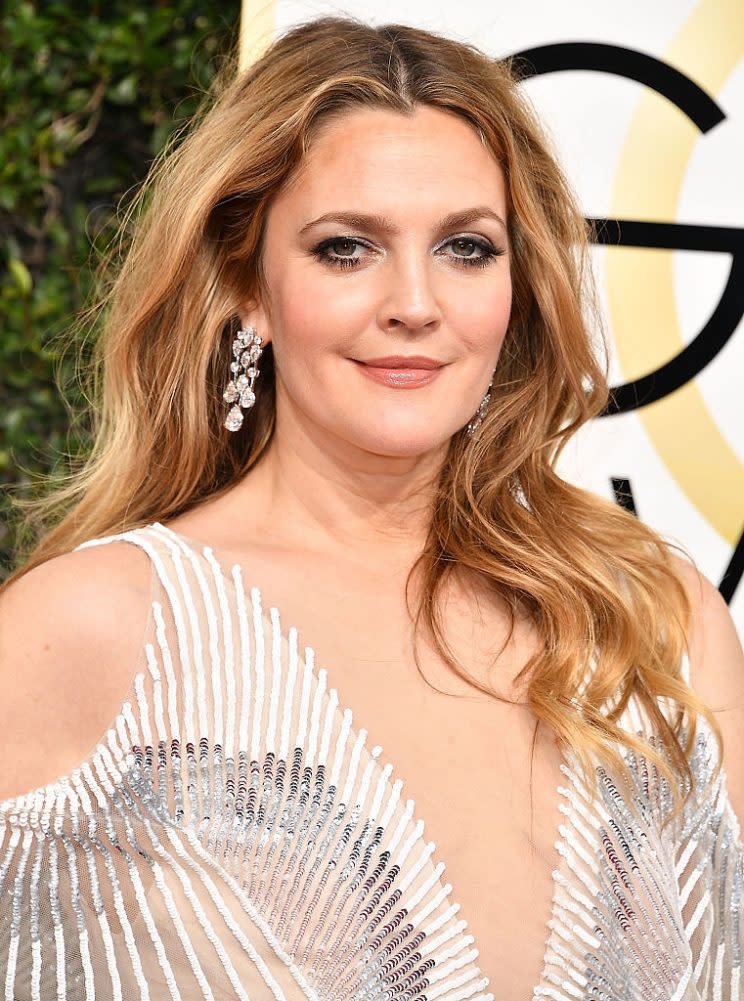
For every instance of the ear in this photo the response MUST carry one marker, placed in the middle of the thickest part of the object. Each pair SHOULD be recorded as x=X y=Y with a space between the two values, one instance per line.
x=253 y=314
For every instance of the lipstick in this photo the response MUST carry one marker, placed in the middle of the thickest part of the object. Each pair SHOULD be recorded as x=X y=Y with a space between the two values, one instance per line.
x=401 y=371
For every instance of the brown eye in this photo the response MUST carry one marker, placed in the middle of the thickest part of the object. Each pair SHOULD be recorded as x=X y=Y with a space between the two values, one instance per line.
x=485 y=252
x=462 y=242
x=342 y=242
x=334 y=251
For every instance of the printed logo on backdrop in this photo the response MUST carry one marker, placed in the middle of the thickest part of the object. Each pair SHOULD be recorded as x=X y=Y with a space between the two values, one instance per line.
x=664 y=395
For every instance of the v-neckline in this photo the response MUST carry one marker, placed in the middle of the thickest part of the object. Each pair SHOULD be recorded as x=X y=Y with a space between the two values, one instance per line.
x=563 y=796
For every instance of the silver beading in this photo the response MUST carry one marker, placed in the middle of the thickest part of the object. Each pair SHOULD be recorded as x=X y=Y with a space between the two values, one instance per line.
x=246 y=351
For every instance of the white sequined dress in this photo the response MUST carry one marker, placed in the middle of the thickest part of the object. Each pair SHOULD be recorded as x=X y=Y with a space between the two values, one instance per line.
x=233 y=836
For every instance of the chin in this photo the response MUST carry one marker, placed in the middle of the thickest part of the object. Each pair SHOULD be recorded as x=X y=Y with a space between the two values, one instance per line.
x=397 y=444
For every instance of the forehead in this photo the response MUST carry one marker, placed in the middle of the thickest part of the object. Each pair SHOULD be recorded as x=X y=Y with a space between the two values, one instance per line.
x=379 y=160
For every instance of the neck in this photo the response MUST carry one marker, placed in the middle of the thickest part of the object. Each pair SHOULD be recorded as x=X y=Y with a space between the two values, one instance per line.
x=329 y=495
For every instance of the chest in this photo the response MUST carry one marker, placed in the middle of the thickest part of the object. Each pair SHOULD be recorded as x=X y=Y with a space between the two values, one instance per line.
x=464 y=758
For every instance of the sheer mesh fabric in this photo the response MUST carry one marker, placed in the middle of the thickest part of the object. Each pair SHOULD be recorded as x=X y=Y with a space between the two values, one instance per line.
x=233 y=836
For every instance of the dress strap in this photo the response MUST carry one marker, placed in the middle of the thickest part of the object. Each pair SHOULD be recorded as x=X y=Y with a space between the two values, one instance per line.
x=147 y=538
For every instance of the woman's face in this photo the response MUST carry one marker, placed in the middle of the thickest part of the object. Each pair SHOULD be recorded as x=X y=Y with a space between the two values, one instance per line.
x=365 y=258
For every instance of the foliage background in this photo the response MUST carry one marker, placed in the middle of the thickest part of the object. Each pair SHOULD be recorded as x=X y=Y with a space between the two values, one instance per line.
x=91 y=93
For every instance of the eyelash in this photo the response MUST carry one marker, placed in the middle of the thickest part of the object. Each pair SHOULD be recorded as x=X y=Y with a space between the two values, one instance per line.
x=488 y=252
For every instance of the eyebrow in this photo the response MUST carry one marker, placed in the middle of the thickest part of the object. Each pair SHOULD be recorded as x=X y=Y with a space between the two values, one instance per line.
x=381 y=224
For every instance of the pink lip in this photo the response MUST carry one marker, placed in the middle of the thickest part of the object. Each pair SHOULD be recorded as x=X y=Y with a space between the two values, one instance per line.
x=399 y=378
x=403 y=361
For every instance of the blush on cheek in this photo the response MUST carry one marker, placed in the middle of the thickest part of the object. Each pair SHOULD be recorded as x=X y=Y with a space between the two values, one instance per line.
x=485 y=327
x=309 y=317
x=482 y=305
x=502 y=315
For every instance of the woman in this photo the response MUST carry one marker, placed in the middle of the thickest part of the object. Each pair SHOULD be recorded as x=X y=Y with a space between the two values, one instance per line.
x=340 y=359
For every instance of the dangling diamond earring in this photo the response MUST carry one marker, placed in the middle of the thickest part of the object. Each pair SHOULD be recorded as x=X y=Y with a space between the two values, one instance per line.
x=480 y=413
x=246 y=351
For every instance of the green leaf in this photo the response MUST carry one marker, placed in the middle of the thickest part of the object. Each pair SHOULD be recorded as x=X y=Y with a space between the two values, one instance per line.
x=21 y=275
x=125 y=91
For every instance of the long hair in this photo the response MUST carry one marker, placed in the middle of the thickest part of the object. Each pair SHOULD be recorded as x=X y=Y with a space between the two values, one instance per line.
x=594 y=580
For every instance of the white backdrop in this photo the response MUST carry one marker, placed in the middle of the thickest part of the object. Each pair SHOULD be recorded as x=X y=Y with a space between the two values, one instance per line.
x=645 y=107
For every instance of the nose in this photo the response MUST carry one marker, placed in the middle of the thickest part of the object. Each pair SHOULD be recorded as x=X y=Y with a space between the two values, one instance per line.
x=410 y=301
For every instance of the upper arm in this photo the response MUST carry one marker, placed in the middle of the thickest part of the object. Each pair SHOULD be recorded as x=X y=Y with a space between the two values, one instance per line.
x=717 y=673
x=71 y=632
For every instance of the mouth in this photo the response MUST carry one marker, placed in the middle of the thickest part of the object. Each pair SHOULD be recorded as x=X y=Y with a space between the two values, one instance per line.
x=412 y=362
x=400 y=373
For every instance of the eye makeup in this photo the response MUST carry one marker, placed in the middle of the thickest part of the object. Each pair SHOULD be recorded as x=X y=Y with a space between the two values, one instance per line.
x=322 y=251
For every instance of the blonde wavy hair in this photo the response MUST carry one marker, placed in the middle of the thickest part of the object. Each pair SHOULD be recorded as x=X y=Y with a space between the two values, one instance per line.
x=592 y=577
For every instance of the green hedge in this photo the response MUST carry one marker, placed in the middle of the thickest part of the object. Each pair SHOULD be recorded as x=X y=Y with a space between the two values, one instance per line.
x=90 y=92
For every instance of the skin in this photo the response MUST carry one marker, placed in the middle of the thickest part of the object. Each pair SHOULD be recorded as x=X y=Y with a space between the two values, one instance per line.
x=352 y=462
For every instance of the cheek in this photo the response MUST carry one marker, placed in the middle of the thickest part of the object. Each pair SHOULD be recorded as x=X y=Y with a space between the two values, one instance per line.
x=482 y=318
x=309 y=316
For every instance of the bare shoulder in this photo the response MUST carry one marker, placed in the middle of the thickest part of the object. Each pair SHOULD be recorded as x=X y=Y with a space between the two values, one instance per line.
x=717 y=673
x=71 y=631
x=716 y=657
x=71 y=599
